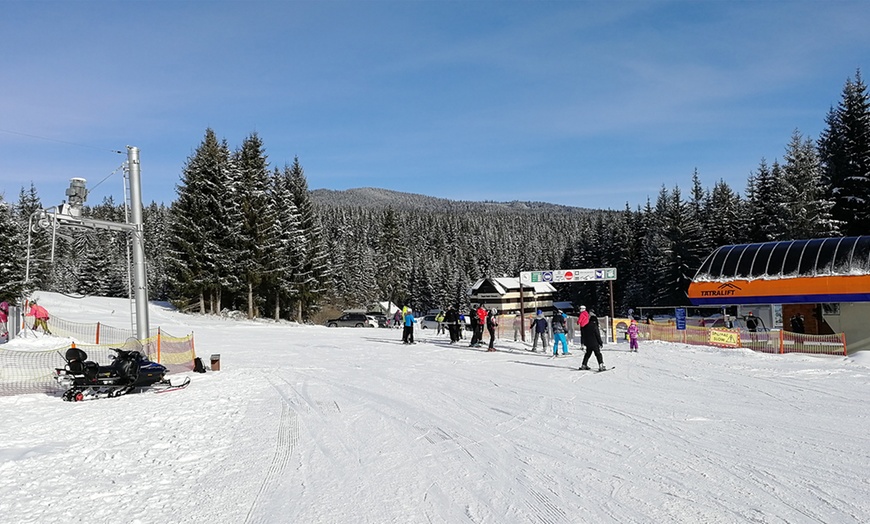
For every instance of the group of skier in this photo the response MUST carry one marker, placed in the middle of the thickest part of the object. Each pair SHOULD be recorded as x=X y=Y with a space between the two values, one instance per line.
x=590 y=334
x=481 y=319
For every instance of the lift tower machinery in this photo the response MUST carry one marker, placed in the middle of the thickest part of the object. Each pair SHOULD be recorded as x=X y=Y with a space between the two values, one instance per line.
x=68 y=216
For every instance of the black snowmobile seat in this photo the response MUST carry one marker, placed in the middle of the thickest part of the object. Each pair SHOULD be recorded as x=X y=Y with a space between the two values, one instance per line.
x=126 y=366
x=75 y=353
x=75 y=359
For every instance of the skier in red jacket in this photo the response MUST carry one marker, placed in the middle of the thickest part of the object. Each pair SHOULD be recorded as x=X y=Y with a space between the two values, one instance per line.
x=582 y=320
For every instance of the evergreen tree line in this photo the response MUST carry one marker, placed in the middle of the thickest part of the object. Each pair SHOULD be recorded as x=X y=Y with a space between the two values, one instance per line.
x=244 y=236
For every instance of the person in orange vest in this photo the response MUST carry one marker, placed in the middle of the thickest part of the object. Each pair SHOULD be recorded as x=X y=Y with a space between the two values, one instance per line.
x=40 y=317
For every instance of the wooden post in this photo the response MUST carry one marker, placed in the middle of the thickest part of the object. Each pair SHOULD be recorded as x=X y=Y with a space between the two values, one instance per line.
x=612 y=315
x=522 y=311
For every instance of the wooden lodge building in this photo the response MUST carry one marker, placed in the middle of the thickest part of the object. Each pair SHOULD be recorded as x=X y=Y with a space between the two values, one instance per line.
x=504 y=295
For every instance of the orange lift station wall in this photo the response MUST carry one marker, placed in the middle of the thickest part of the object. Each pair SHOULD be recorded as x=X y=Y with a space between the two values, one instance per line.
x=787 y=272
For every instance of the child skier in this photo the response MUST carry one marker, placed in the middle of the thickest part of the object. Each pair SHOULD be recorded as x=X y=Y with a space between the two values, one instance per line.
x=633 y=331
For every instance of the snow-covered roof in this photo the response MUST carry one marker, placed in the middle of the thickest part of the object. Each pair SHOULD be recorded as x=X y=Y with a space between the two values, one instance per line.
x=505 y=284
x=388 y=307
x=788 y=259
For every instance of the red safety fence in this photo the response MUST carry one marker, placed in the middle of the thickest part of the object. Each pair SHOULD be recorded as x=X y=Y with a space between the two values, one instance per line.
x=762 y=341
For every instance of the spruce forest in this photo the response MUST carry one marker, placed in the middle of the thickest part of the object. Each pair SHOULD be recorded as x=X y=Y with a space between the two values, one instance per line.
x=246 y=236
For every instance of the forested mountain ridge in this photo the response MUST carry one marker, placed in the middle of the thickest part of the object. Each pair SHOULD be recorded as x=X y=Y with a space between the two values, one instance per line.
x=372 y=197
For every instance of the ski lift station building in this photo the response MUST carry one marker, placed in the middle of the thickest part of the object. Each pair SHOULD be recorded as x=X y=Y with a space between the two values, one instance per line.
x=826 y=280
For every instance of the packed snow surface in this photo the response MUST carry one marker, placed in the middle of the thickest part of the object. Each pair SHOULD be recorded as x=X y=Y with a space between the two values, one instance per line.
x=307 y=424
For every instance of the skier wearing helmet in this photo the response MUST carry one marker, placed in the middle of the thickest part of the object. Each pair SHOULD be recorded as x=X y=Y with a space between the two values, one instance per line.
x=633 y=332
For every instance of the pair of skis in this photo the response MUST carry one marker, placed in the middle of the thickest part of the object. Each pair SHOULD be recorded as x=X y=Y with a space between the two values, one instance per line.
x=598 y=370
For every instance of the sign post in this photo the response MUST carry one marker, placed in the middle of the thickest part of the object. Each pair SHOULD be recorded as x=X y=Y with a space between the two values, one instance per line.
x=559 y=276
x=680 y=315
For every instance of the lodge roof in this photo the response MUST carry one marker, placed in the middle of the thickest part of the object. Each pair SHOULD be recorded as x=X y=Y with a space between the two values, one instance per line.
x=504 y=285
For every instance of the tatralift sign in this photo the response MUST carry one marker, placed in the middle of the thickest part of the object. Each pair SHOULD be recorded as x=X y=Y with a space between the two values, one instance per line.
x=803 y=289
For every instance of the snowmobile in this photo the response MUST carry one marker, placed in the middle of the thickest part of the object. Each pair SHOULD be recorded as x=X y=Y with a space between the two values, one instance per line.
x=129 y=371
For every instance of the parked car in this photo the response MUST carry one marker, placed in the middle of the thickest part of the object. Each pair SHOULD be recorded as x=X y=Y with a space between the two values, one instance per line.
x=380 y=318
x=427 y=322
x=352 y=320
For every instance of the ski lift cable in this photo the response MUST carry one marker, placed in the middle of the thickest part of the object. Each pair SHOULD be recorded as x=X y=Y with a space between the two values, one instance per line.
x=107 y=177
x=61 y=141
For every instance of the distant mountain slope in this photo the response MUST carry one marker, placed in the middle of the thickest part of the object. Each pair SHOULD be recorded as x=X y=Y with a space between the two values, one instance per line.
x=372 y=197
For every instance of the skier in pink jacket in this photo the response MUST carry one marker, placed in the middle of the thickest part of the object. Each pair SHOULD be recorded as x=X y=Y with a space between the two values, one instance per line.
x=40 y=317
x=633 y=332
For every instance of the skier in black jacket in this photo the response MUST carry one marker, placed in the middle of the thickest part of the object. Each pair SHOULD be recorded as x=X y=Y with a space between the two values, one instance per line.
x=451 y=318
x=475 y=333
x=592 y=338
x=491 y=324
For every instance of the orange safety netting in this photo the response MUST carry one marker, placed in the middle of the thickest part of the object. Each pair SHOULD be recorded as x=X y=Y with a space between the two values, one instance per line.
x=33 y=371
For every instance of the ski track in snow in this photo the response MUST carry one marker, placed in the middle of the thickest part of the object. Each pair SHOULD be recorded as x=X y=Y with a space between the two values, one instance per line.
x=309 y=424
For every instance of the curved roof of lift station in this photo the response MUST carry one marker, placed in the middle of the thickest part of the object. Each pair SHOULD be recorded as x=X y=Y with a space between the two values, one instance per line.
x=793 y=271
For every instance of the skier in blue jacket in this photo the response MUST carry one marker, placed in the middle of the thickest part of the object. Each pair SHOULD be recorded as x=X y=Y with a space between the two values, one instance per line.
x=559 y=329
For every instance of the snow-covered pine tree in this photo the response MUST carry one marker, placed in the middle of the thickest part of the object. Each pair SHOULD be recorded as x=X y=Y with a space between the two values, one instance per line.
x=257 y=240
x=392 y=258
x=844 y=148
x=12 y=264
x=105 y=259
x=40 y=240
x=680 y=247
x=767 y=209
x=156 y=224
x=699 y=206
x=621 y=254
x=201 y=225
x=313 y=280
x=808 y=209
x=97 y=273
x=724 y=216
x=291 y=241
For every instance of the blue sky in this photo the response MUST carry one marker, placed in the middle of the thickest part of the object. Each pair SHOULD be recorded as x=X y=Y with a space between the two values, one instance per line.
x=590 y=104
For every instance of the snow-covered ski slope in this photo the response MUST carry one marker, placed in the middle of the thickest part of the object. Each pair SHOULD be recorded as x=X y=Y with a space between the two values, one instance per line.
x=308 y=424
